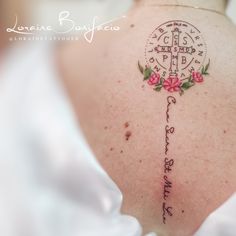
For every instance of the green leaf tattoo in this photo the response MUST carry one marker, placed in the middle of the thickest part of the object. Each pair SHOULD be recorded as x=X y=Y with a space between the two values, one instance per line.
x=173 y=83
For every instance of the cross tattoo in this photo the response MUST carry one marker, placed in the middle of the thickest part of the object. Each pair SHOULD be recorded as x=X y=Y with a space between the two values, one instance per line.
x=174 y=50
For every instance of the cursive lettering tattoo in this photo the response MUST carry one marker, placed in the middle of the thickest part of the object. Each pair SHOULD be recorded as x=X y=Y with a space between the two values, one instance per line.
x=169 y=131
x=168 y=165
x=170 y=100
x=167 y=210
x=167 y=187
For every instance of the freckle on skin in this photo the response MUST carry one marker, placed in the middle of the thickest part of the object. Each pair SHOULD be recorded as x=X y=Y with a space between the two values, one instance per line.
x=111 y=149
x=128 y=135
x=126 y=125
x=225 y=131
x=132 y=25
x=182 y=211
x=140 y=161
x=105 y=127
x=121 y=151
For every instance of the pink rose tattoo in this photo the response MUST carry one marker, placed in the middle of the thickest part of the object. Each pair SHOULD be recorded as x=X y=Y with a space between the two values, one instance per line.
x=197 y=77
x=172 y=84
x=154 y=79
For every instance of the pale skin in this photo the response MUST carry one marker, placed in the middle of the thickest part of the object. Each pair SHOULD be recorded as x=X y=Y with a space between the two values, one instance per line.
x=112 y=105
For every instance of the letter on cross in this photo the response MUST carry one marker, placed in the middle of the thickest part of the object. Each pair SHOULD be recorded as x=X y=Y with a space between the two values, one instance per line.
x=174 y=50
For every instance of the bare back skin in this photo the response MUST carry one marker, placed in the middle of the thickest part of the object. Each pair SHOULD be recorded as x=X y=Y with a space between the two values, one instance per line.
x=125 y=121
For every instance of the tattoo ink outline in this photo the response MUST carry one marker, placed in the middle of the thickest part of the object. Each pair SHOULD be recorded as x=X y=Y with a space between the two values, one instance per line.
x=172 y=82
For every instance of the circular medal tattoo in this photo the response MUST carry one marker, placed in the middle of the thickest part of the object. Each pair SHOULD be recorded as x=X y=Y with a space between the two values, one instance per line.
x=175 y=54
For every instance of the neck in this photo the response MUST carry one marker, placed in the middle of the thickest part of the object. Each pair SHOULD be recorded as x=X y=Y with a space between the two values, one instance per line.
x=215 y=5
